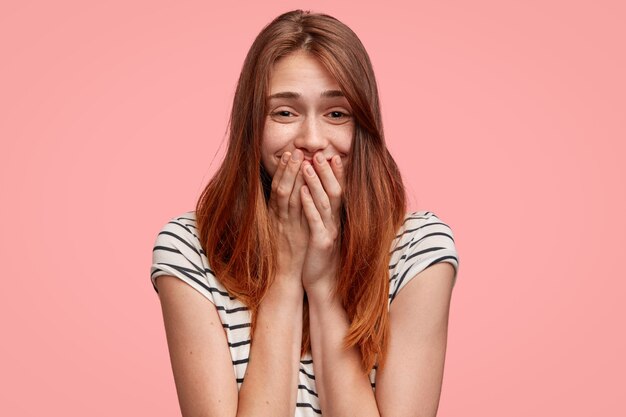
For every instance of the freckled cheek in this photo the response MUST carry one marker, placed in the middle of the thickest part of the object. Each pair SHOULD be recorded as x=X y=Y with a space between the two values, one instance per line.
x=344 y=141
x=276 y=140
x=278 y=137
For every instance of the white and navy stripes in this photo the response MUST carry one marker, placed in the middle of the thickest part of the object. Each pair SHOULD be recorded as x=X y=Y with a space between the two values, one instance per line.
x=422 y=240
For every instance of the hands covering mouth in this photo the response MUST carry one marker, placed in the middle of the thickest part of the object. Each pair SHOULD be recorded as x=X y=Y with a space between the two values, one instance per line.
x=305 y=208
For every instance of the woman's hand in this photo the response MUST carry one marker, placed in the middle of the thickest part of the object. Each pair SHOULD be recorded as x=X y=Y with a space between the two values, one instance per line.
x=321 y=203
x=287 y=218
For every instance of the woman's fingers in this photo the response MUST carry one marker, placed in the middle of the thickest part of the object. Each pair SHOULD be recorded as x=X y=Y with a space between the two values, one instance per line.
x=295 y=201
x=324 y=181
x=282 y=164
x=285 y=185
x=331 y=175
x=312 y=214
x=319 y=196
x=337 y=167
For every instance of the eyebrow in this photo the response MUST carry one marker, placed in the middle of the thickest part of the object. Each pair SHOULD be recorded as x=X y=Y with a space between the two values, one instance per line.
x=297 y=96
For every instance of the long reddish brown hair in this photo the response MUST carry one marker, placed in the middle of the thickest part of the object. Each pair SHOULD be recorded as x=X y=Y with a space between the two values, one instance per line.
x=232 y=211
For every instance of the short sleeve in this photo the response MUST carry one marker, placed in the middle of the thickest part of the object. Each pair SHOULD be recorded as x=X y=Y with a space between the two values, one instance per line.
x=177 y=252
x=424 y=240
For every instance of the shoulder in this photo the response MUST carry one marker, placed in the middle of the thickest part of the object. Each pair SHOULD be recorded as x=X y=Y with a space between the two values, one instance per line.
x=179 y=235
x=424 y=229
x=422 y=240
x=177 y=252
x=181 y=226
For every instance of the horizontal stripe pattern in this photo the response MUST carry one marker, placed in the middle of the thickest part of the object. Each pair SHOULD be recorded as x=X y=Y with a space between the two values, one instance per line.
x=423 y=240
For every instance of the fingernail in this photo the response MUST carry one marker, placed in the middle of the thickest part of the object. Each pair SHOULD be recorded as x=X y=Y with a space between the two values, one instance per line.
x=309 y=170
x=320 y=158
x=338 y=160
x=306 y=190
x=285 y=157
x=296 y=156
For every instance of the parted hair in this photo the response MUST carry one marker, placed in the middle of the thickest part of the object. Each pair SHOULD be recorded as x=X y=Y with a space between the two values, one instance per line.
x=232 y=212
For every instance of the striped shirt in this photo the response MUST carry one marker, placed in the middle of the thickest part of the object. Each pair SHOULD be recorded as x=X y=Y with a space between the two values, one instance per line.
x=422 y=240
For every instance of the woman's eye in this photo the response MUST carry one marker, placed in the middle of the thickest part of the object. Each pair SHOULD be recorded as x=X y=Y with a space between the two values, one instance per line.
x=337 y=115
x=282 y=113
x=341 y=114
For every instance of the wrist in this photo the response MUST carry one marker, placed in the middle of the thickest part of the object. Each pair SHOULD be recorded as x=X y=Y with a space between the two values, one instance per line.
x=322 y=289
x=288 y=284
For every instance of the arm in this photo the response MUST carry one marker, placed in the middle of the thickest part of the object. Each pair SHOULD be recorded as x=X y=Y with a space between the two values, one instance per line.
x=198 y=346
x=202 y=365
x=418 y=323
x=410 y=383
x=342 y=387
x=270 y=386
x=201 y=362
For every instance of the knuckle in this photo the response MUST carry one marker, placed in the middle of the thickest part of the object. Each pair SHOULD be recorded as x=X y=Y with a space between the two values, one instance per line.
x=326 y=243
x=334 y=192
x=323 y=243
x=282 y=191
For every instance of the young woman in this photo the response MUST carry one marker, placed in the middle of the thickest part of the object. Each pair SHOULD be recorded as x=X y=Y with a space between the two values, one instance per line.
x=300 y=285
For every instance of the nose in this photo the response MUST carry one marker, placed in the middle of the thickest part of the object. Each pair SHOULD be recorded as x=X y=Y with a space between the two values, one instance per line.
x=311 y=137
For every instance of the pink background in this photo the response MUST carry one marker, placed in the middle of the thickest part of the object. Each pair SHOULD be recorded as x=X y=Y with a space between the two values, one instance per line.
x=506 y=118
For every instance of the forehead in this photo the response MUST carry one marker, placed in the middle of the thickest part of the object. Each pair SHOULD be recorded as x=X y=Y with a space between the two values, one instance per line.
x=300 y=71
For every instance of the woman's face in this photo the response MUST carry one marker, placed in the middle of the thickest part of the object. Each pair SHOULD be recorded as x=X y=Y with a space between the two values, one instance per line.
x=306 y=111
